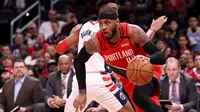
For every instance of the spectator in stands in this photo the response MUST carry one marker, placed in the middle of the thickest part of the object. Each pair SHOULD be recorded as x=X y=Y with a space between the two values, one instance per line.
x=7 y=61
x=42 y=71
x=56 y=91
x=31 y=34
x=172 y=35
x=193 y=33
x=189 y=65
x=52 y=51
x=167 y=52
x=5 y=50
x=195 y=73
x=183 y=61
x=38 y=51
x=159 y=10
x=176 y=7
x=56 y=36
x=39 y=40
x=6 y=74
x=47 y=57
x=178 y=88
x=52 y=66
x=22 y=91
x=71 y=22
x=19 y=40
x=46 y=28
x=161 y=44
x=24 y=51
x=183 y=44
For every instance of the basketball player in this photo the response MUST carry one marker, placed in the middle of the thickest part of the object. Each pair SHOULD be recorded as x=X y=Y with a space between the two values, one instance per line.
x=96 y=63
x=119 y=43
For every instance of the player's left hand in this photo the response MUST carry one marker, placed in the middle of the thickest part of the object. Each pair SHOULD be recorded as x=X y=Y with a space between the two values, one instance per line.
x=158 y=23
x=80 y=101
x=140 y=58
x=173 y=107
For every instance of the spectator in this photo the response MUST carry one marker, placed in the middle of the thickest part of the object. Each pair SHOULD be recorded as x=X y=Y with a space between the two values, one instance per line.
x=56 y=36
x=71 y=22
x=7 y=61
x=42 y=71
x=52 y=51
x=38 y=51
x=6 y=74
x=183 y=61
x=195 y=73
x=167 y=52
x=5 y=50
x=24 y=51
x=39 y=40
x=56 y=87
x=176 y=7
x=183 y=44
x=178 y=88
x=52 y=66
x=19 y=40
x=161 y=44
x=189 y=65
x=47 y=57
x=31 y=34
x=172 y=35
x=193 y=33
x=46 y=28
x=22 y=91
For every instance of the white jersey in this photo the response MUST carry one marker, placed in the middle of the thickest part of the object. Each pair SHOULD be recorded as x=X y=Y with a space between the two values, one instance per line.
x=96 y=62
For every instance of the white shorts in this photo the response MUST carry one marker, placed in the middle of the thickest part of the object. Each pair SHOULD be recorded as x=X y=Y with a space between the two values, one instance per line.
x=101 y=89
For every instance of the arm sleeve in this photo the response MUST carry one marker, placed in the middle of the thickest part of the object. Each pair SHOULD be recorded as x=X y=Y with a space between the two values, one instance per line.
x=79 y=64
x=156 y=56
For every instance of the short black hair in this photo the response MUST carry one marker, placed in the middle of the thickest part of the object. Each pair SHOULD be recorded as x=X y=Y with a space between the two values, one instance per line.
x=19 y=60
x=56 y=22
x=101 y=3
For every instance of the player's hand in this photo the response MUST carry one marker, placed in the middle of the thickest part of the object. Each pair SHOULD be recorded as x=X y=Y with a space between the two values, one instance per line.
x=75 y=30
x=140 y=58
x=93 y=110
x=80 y=101
x=158 y=23
x=173 y=107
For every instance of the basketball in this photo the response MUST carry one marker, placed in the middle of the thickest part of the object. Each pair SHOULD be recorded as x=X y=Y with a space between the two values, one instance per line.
x=139 y=72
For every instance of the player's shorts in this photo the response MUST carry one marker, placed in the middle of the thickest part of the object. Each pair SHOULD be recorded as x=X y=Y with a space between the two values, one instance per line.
x=101 y=89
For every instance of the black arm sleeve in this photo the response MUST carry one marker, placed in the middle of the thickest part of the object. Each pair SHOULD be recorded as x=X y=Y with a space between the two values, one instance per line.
x=156 y=56
x=79 y=64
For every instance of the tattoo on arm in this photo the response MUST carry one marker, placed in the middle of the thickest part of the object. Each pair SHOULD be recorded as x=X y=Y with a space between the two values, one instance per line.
x=138 y=35
x=91 y=45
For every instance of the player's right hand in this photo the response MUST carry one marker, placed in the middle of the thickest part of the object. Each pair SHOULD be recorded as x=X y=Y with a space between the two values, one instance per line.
x=80 y=101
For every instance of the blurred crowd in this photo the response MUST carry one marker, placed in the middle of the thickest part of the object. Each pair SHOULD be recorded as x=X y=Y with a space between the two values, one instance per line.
x=179 y=37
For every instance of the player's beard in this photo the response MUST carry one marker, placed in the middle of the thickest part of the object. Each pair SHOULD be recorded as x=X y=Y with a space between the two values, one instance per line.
x=113 y=32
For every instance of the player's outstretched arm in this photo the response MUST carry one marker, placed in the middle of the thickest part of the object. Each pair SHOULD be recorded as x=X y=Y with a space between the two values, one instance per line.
x=79 y=64
x=69 y=41
x=155 y=26
x=138 y=36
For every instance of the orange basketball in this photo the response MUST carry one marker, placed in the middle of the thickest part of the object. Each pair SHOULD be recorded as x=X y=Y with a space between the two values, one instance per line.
x=139 y=72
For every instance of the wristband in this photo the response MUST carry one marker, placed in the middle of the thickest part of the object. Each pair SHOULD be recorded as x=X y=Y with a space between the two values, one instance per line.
x=62 y=46
x=153 y=29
